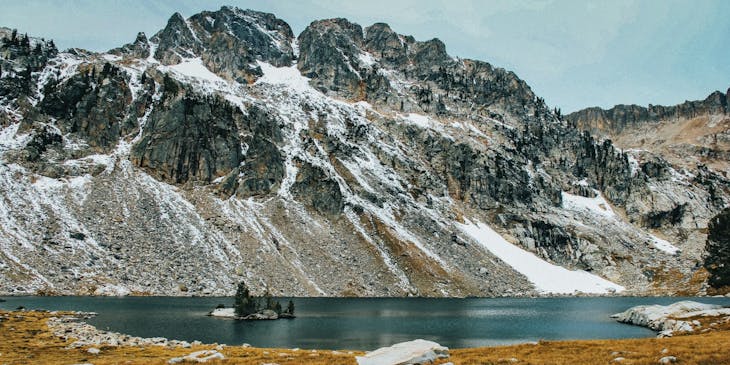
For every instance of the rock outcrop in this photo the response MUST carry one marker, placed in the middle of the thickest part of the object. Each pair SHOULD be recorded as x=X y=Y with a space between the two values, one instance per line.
x=190 y=138
x=671 y=318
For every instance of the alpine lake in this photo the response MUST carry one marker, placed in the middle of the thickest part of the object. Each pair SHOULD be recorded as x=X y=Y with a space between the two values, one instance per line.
x=364 y=323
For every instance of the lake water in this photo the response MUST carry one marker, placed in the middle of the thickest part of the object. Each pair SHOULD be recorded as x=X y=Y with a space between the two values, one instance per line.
x=364 y=323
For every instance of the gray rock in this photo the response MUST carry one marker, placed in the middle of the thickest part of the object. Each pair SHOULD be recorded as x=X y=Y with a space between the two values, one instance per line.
x=194 y=139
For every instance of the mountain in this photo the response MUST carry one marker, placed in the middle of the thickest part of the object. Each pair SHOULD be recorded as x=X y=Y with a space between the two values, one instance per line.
x=692 y=138
x=687 y=135
x=343 y=162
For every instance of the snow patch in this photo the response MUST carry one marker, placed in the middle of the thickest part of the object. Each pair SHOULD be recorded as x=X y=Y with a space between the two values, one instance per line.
x=287 y=76
x=194 y=67
x=547 y=277
x=663 y=245
x=596 y=206
x=366 y=59
x=10 y=140
x=418 y=119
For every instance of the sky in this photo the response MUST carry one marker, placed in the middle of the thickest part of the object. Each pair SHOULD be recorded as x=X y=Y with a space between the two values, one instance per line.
x=573 y=53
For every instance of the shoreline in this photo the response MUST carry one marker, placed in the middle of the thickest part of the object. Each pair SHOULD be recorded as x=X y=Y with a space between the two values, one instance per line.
x=59 y=337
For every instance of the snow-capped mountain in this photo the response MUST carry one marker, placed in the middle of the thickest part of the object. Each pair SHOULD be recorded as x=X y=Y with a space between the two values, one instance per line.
x=343 y=162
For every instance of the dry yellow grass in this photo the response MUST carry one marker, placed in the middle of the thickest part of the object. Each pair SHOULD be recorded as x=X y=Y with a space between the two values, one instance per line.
x=26 y=339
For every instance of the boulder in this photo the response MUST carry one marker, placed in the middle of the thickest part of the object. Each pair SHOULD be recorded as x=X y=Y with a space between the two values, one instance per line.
x=405 y=353
x=667 y=319
x=198 y=356
x=265 y=314
x=223 y=312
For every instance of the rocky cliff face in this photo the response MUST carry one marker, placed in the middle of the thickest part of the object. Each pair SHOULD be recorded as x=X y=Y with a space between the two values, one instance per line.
x=347 y=161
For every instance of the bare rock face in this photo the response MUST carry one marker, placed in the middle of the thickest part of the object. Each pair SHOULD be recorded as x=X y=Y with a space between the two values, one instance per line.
x=92 y=105
x=263 y=164
x=314 y=188
x=329 y=55
x=190 y=138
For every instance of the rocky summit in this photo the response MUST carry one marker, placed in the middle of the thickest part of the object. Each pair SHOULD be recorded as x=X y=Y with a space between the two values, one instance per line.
x=347 y=161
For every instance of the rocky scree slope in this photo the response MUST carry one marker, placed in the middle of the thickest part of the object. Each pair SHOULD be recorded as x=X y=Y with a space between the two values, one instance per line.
x=343 y=162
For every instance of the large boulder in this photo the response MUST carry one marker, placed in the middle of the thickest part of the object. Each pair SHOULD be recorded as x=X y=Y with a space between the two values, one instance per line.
x=669 y=318
x=405 y=353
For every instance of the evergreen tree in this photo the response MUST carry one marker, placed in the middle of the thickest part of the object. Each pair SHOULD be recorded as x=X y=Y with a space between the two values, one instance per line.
x=277 y=308
x=25 y=43
x=290 y=308
x=241 y=297
x=244 y=303
x=270 y=304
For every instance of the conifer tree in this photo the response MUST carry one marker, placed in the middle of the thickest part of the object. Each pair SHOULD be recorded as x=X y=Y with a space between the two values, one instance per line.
x=290 y=308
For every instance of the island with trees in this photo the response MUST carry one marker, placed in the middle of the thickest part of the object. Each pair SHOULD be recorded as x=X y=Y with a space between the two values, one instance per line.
x=249 y=307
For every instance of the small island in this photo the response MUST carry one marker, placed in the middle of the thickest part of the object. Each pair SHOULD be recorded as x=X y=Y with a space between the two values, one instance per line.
x=248 y=307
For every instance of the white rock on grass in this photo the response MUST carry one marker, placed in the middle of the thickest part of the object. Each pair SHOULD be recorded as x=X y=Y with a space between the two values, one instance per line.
x=668 y=360
x=198 y=356
x=405 y=353
x=93 y=351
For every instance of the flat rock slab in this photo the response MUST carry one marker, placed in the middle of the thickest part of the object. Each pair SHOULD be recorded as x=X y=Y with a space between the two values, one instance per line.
x=668 y=317
x=198 y=356
x=405 y=353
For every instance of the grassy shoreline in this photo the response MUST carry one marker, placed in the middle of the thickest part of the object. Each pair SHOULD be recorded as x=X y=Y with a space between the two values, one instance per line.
x=25 y=338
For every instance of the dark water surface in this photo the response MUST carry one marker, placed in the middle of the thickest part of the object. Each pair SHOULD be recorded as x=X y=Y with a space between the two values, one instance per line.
x=363 y=324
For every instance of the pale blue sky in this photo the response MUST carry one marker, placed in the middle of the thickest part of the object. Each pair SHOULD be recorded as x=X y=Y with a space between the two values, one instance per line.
x=573 y=53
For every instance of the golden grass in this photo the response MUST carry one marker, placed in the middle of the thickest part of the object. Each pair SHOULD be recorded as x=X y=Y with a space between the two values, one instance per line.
x=26 y=339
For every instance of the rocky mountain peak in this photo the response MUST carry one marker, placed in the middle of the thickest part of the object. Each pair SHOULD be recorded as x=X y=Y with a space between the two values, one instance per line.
x=383 y=42
x=229 y=41
x=140 y=48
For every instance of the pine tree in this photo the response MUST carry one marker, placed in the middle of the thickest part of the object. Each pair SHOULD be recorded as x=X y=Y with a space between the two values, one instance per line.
x=242 y=296
x=270 y=304
x=25 y=43
x=277 y=308
x=244 y=303
x=290 y=308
